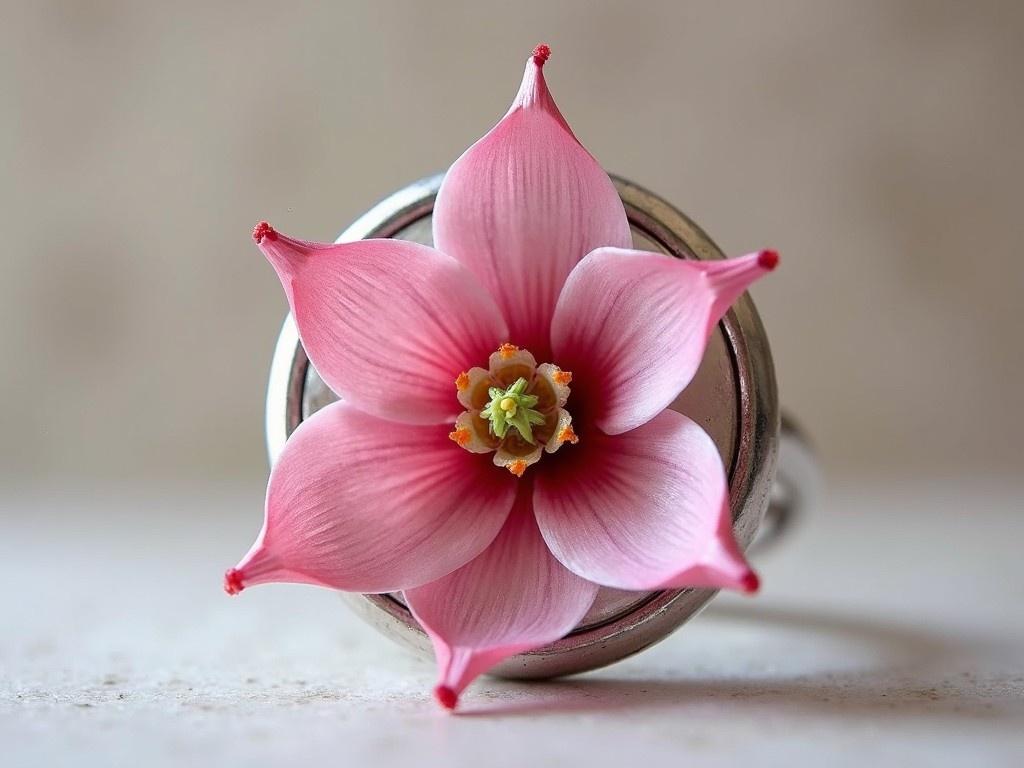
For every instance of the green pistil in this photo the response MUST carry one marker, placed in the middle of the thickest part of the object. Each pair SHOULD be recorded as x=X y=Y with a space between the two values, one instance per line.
x=511 y=408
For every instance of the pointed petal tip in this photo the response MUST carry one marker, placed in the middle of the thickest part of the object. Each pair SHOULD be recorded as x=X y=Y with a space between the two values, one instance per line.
x=284 y=253
x=768 y=259
x=263 y=231
x=750 y=583
x=446 y=697
x=541 y=54
x=233 y=581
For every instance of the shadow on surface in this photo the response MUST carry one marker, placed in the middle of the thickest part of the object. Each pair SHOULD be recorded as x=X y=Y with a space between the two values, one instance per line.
x=917 y=674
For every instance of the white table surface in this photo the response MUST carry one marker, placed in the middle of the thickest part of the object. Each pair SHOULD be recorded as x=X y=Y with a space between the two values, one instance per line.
x=890 y=631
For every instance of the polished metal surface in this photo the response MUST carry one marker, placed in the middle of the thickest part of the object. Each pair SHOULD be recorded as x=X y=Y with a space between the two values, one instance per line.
x=733 y=396
x=797 y=485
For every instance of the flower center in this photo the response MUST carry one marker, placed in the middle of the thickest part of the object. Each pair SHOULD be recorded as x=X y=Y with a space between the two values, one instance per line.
x=514 y=409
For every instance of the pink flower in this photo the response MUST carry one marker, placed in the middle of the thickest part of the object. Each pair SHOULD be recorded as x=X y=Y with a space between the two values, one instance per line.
x=494 y=487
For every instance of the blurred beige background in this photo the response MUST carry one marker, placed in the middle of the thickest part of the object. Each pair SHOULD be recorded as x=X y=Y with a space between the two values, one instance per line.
x=877 y=145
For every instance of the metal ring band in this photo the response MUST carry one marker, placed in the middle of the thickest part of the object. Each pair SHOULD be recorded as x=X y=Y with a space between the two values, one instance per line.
x=796 y=487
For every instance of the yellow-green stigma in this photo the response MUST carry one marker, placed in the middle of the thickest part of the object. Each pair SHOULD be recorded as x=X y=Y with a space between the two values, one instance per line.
x=512 y=408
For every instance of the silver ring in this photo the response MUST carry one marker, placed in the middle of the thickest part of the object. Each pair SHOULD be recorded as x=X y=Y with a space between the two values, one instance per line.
x=733 y=396
x=795 y=489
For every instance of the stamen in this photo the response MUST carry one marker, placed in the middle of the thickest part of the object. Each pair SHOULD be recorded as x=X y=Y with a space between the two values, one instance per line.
x=263 y=231
x=523 y=415
x=460 y=437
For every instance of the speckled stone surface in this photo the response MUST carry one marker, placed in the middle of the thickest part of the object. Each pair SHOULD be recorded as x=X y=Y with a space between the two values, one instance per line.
x=890 y=631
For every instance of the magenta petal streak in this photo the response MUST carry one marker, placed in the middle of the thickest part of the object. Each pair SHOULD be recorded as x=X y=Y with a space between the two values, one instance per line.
x=633 y=327
x=387 y=324
x=648 y=509
x=523 y=205
x=513 y=597
x=366 y=505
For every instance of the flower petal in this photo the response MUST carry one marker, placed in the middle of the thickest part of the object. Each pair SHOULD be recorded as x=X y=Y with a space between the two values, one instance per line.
x=523 y=205
x=388 y=324
x=633 y=326
x=367 y=505
x=513 y=597
x=645 y=510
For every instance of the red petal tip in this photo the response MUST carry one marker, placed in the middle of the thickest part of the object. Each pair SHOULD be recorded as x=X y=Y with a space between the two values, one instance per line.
x=233 y=581
x=446 y=697
x=768 y=259
x=263 y=231
x=750 y=583
x=541 y=54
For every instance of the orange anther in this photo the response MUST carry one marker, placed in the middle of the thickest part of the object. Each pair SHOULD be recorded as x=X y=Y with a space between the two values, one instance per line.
x=462 y=381
x=567 y=435
x=562 y=377
x=517 y=467
x=460 y=436
x=507 y=350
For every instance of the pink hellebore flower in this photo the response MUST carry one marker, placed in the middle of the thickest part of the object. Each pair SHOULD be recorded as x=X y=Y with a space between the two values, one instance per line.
x=502 y=554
